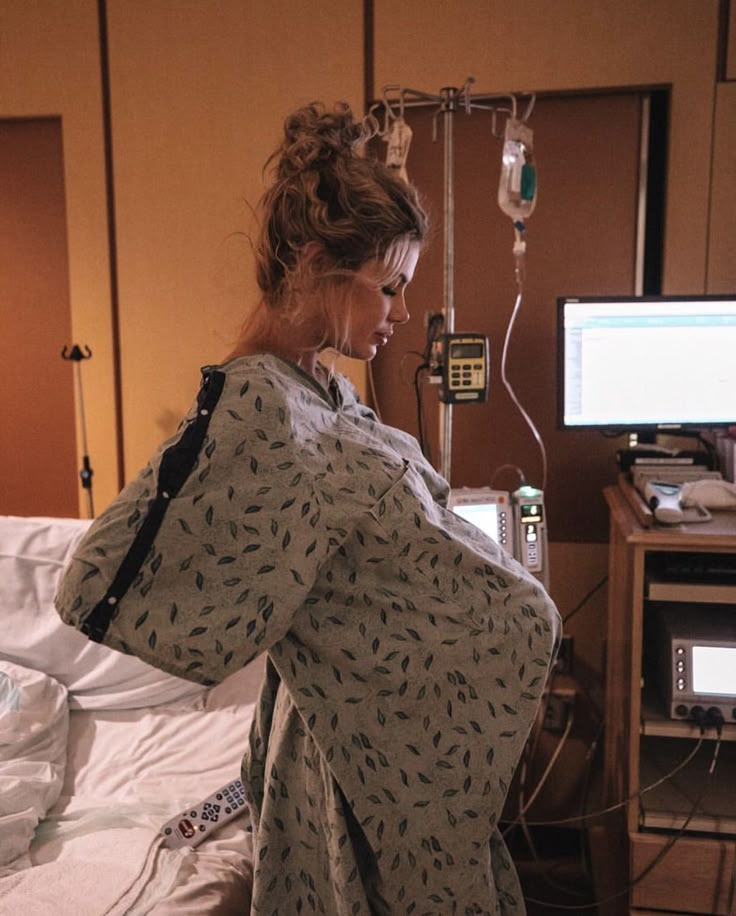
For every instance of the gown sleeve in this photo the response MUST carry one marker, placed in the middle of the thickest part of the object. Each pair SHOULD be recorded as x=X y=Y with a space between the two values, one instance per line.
x=201 y=562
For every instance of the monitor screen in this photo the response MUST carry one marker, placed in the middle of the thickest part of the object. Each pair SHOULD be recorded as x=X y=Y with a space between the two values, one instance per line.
x=714 y=670
x=648 y=362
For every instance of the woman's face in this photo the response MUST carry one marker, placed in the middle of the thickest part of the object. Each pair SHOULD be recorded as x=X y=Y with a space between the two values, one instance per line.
x=377 y=304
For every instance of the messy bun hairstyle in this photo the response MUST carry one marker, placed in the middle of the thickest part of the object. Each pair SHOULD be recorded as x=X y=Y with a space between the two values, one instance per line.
x=327 y=190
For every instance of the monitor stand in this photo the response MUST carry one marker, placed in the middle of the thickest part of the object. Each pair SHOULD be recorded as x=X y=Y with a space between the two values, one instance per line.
x=651 y=456
x=644 y=451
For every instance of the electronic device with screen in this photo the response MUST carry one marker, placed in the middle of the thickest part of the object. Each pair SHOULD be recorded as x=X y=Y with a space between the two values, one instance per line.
x=697 y=668
x=515 y=521
x=489 y=510
x=464 y=369
x=530 y=531
x=649 y=364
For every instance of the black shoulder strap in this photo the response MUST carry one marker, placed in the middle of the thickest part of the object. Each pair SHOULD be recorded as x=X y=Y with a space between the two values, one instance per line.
x=177 y=463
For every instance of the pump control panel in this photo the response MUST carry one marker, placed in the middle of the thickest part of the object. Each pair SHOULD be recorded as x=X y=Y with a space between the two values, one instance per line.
x=465 y=368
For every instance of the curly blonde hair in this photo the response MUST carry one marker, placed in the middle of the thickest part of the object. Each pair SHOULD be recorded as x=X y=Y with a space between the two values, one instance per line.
x=328 y=190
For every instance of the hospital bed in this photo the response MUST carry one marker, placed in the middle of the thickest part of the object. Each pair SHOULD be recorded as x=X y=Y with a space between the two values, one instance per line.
x=98 y=751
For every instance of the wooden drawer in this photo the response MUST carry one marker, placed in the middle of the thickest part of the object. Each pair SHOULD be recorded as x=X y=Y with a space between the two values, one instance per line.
x=695 y=876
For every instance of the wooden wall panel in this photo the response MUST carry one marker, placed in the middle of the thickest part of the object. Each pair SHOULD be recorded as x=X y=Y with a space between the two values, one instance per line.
x=37 y=422
x=577 y=45
x=722 y=234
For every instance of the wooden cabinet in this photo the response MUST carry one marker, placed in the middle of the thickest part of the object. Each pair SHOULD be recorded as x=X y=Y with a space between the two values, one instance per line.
x=671 y=866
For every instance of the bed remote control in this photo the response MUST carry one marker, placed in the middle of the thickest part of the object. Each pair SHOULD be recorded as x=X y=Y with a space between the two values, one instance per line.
x=196 y=823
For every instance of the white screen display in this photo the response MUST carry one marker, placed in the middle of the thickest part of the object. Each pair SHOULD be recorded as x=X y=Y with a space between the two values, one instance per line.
x=641 y=362
x=714 y=670
x=482 y=515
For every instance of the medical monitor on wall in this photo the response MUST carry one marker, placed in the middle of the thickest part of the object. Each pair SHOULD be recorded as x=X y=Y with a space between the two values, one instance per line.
x=646 y=364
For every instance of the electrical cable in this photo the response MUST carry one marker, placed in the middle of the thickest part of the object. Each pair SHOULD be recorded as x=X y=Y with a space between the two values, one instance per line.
x=421 y=433
x=530 y=747
x=663 y=852
x=509 y=467
x=552 y=760
x=504 y=354
x=578 y=818
x=435 y=322
x=590 y=756
x=581 y=604
x=524 y=806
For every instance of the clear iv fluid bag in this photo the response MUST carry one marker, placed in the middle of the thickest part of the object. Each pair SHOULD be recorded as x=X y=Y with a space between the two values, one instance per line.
x=517 y=188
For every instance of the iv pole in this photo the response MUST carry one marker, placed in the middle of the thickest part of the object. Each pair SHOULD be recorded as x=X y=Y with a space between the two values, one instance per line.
x=448 y=104
x=449 y=99
x=76 y=355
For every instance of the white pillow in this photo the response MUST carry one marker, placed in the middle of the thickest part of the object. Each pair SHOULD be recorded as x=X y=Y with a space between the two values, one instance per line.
x=34 y=723
x=33 y=554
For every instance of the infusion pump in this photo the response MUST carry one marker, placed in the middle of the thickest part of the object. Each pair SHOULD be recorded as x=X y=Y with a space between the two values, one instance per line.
x=515 y=521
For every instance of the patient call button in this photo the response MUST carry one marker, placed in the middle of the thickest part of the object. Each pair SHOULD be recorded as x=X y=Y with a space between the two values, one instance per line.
x=186 y=828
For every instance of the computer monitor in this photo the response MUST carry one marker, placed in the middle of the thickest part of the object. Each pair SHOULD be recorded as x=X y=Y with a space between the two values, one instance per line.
x=646 y=364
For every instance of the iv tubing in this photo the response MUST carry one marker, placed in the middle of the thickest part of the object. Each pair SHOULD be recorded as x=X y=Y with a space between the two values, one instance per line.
x=519 y=252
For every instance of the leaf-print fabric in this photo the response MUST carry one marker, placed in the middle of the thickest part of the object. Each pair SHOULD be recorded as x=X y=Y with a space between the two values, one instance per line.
x=406 y=651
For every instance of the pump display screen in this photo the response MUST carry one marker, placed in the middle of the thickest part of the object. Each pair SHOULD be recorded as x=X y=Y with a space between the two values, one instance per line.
x=531 y=512
x=466 y=351
x=488 y=510
x=714 y=670
x=484 y=516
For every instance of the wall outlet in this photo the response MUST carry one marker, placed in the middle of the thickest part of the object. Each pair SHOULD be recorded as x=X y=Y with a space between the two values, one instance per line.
x=558 y=709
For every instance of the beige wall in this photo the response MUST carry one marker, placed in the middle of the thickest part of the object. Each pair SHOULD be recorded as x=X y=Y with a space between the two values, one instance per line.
x=199 y=94
x=50 y=65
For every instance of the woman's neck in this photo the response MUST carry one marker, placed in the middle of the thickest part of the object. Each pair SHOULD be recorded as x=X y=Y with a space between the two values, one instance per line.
x=265 y=333
x=308 y=361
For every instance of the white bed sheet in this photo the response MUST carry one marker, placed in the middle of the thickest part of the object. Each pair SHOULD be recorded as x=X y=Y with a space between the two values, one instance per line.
x=128 y=771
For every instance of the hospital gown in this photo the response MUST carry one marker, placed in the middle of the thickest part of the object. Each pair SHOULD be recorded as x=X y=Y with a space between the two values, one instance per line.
x=406 y=651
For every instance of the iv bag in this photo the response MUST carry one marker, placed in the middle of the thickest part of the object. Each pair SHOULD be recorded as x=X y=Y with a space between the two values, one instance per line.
x=517 y=188
x=399 y=141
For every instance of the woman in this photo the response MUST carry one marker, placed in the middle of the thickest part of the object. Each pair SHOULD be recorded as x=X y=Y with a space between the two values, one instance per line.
x=406 y=652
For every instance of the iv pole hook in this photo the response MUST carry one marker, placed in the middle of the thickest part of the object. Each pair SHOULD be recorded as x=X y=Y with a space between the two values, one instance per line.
x=76 y=355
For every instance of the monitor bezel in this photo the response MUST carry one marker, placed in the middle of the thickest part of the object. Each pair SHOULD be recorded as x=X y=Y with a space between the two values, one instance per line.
x=614 y=429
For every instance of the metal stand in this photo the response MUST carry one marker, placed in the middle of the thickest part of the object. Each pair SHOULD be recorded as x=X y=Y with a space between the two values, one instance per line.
x=76 y=355
x=448 y=102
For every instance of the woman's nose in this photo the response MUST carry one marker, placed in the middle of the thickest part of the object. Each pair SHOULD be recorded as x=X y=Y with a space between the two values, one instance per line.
x=399 y=313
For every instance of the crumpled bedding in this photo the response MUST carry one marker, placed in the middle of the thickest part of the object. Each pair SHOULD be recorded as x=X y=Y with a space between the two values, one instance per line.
x=34 y=723
x=84 y=791
x=97 y=850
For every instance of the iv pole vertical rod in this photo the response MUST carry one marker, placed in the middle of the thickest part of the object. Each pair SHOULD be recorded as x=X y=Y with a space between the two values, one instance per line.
x=83 y=424
x=449 y=96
